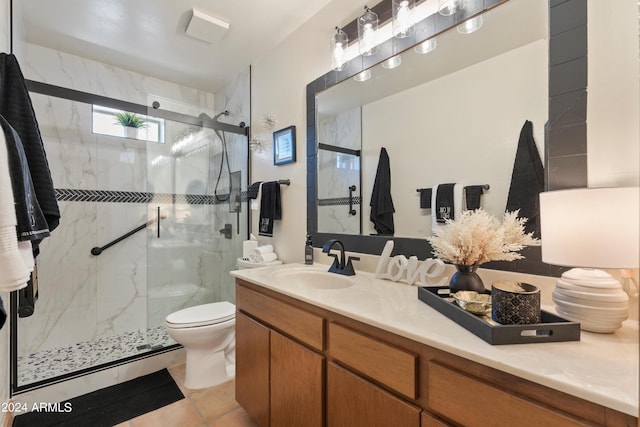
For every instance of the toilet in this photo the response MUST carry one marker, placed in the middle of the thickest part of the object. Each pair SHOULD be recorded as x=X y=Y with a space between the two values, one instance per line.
x=207 y=332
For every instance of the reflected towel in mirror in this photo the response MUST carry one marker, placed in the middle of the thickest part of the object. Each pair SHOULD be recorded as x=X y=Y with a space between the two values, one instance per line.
x=527 y=181
x=381 y=202
x=457 y=205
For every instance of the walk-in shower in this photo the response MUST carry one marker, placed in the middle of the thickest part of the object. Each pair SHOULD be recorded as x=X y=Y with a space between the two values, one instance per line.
x=164 y=221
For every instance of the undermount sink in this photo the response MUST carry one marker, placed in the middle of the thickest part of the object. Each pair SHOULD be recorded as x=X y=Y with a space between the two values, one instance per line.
x=314 y=279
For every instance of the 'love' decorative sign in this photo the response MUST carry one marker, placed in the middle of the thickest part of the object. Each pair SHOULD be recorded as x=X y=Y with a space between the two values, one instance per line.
x=411 y=269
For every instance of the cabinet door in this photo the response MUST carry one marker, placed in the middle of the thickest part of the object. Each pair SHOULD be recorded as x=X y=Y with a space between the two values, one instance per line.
x=430 y=420
x=252 y=368
x=355 y=402
x=296 y=384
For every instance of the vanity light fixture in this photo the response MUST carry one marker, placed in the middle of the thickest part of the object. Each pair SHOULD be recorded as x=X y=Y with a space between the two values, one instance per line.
x=338 y=45
x=426 y=46
x=447 y=7
x=392 y=62
x=362 y=76
x=367 y=32
x=402 y=13
x=470 y=25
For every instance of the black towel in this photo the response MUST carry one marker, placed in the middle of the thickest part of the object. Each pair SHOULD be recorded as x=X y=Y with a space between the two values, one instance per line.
x=3 y=314
x=27 y=297
x=32 y=224
x=444 y=203
x=16 y=107
x=425 y=198
x=527 y=181
x=270 y=208
x=252 y=191
x=381 y=202
x=473 y=194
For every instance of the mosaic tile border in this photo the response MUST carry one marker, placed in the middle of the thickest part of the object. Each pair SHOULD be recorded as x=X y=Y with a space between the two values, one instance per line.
x=111 y=196
x=339 y=201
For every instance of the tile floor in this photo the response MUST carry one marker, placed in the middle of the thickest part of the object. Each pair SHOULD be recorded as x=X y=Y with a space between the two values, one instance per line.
x=209 y=407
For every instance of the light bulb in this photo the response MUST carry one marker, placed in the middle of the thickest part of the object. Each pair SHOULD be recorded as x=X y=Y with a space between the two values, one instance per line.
x=368 y=37
x=362 y=76
x=367 y=29
x=339 y=42
x=426 y=47
x=471 y=25
x=392 y=62
x=402 y=18
x=447 y=7
x=403 y=15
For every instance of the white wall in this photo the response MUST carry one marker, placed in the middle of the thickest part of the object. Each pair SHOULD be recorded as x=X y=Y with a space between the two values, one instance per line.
x=613 y=106
x=278 y=86
x=5 y=25
x=460 y=131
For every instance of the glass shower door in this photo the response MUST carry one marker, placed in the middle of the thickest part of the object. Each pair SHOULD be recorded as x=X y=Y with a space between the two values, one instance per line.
x=196 y=200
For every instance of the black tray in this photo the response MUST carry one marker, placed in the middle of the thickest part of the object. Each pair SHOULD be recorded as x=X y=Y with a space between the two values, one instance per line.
x=551 y=329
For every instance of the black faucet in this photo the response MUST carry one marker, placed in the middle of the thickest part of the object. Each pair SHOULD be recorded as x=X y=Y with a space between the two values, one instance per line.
x=339 y=266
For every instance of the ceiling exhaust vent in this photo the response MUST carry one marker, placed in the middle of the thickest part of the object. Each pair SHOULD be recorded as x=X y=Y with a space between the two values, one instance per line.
x=206 y=27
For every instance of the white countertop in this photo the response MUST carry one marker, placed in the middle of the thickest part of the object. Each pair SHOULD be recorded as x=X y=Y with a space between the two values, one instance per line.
x=600 y=368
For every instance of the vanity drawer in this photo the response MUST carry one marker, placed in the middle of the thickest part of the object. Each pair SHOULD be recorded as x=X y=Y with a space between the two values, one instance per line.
x=300 y=324
x=472 y=402
x=389 y=365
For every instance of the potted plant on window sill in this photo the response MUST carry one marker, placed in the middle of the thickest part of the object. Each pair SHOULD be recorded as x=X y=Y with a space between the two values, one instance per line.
x=131 y=123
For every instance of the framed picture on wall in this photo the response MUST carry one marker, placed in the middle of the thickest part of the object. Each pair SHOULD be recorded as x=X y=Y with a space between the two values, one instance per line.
x=284 y=146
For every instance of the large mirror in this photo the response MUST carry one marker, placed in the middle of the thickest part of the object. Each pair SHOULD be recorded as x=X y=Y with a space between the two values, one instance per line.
x=451 y=115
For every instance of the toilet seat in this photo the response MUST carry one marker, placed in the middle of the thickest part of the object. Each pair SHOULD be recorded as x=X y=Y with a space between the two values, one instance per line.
x=202 y=315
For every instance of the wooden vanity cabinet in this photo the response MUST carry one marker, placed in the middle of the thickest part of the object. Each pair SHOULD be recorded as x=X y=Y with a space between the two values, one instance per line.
x=297 y=384
x=279 y=380
x=252 y=368
x=300 y=365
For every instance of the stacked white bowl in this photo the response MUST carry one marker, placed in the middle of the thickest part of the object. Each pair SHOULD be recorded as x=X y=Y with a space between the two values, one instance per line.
x=593 y=298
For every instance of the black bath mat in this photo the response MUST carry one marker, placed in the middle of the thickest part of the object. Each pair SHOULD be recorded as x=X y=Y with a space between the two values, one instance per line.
x=108 y=406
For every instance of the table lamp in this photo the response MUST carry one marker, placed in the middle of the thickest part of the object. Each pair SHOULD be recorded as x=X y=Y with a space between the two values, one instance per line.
x=591 y=228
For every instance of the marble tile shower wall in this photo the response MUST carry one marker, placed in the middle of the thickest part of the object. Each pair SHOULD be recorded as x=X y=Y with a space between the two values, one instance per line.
x=112 y=293
x=338 y=171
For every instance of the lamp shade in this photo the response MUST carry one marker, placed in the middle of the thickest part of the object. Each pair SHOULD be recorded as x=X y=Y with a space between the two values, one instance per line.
x=591 y=227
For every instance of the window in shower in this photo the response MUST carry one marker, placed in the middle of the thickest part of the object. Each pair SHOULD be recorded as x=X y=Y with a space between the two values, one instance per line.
x=105 y=122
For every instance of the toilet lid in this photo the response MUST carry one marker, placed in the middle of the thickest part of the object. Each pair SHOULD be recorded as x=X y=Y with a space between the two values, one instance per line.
x=200 y=315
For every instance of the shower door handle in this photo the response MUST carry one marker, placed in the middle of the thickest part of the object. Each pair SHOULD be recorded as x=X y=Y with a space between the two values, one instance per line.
x=351 y=190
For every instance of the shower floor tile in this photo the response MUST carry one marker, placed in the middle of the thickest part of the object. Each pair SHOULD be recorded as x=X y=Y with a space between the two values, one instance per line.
x=52 y=363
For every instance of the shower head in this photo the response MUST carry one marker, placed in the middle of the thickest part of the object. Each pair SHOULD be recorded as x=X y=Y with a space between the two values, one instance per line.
x=224 y=113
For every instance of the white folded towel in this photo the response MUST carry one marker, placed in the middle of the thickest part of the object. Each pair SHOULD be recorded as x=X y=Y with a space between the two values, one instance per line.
x=268 y=257
x=263 y=254
x=261 y=250
x=458 y=200
x=13 y=273
x=26 y=250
